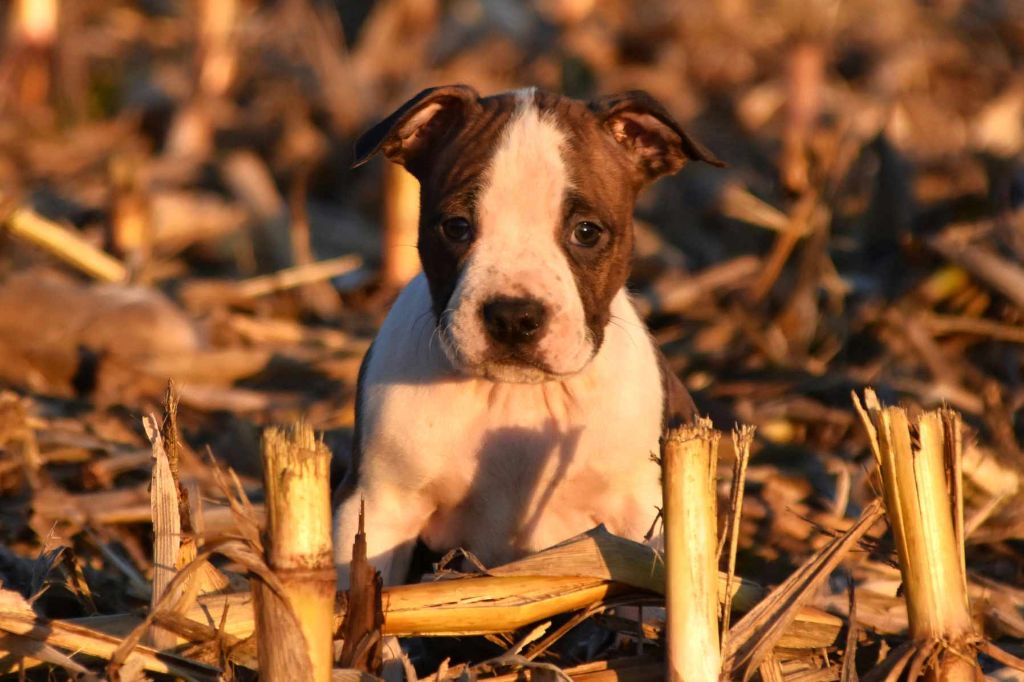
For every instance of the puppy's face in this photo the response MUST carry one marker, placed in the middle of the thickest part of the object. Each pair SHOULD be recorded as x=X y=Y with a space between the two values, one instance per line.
x=526 y=217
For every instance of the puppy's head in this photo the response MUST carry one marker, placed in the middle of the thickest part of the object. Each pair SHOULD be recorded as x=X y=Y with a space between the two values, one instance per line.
x=526 y=203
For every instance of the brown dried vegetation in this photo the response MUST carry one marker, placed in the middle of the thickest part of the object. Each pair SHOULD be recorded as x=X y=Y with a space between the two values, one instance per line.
x=176 y=204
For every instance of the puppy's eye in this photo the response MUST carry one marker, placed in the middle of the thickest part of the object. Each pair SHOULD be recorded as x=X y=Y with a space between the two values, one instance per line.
x=457 y=230
x=586 y=234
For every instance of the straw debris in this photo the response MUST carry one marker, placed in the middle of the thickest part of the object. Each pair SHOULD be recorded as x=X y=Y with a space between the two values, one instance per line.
x=176 y=202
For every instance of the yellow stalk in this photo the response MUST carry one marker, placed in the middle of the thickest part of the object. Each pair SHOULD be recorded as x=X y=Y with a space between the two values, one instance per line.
x=66 y=245
x=401 y=226
x=689 y=460
x=923 y=500
x=298 y=551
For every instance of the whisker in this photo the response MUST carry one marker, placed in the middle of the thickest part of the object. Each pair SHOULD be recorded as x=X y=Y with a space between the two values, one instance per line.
x=637 y=325
x=442 y=329
x=622 y=324
x=419 y=319
x=436 y=331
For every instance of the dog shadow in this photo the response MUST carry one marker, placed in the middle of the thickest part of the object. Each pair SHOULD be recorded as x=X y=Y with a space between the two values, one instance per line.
x=518 y=473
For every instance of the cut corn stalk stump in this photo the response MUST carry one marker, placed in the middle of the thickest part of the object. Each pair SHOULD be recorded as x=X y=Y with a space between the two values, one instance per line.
x=689 y=461
x=920 y=463
x=298 y=551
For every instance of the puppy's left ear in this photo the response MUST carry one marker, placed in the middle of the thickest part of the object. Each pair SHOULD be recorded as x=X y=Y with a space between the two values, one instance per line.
x=656 y=143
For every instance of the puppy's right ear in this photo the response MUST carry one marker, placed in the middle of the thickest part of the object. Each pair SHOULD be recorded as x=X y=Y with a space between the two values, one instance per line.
x=409 y=134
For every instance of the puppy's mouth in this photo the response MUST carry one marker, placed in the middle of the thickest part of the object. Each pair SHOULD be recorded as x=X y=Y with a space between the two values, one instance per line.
x=517 y=367
x=520 y=366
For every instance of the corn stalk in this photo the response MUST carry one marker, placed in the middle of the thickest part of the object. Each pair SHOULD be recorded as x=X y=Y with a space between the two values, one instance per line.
x=298 y=551
x=920 y=464
x=689 y=460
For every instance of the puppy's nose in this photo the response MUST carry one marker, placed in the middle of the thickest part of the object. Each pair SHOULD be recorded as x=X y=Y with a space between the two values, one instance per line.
x=514 y=321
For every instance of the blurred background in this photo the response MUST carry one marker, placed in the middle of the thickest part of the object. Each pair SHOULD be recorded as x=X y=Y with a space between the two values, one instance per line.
x=176 y=202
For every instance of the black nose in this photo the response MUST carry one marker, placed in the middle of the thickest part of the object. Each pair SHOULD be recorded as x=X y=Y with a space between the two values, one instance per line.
x=514 y=321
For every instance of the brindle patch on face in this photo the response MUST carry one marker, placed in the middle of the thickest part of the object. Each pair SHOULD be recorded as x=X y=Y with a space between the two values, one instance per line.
x=451 y=188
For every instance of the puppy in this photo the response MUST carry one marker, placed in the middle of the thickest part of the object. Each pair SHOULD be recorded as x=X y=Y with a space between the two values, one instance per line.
x=513 y=397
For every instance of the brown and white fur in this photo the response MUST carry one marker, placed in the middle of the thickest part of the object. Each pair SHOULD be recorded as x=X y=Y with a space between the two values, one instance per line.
x=513 y=397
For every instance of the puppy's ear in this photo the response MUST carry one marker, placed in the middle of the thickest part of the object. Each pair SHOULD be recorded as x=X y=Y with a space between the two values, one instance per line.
x=409 y=134
x=649 y=134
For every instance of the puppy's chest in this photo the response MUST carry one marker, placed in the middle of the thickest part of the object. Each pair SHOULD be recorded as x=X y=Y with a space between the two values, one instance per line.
x=466 y=433
x=513 y=468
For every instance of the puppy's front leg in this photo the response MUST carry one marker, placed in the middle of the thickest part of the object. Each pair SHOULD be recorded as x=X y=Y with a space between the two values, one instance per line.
x=393 y=521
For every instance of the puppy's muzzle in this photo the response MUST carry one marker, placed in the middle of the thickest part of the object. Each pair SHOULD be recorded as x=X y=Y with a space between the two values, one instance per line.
x=514 y=323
